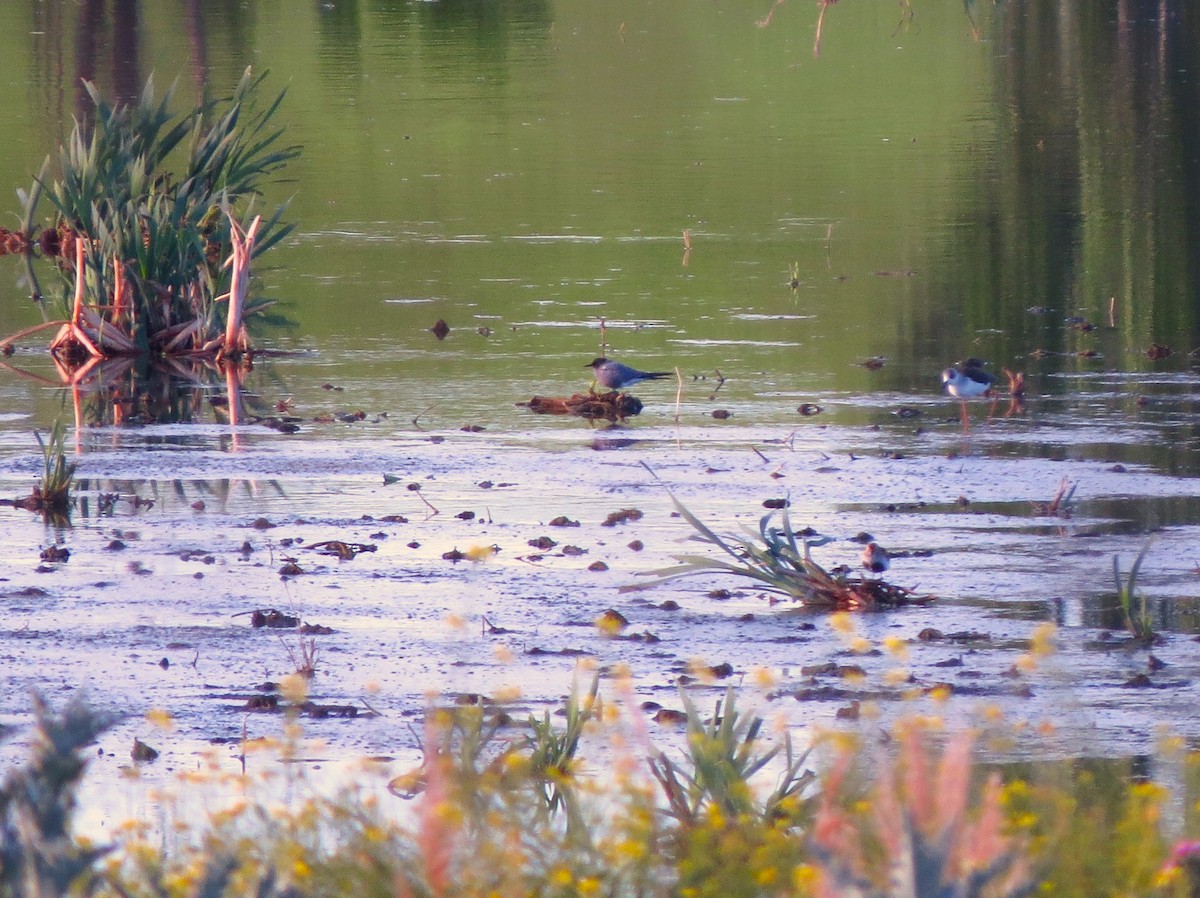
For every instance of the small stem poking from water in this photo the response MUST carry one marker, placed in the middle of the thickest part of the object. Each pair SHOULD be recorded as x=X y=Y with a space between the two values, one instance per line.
x=420 y=415
x=758 y=452
x=1112 y=309
x=766 y=20
x=370 y=707
x=720 y=383
x=825 y=4
x=678 y=393
x=428 y=504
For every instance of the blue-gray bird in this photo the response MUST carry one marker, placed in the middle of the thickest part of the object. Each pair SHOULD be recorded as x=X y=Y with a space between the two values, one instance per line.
x=616 y=376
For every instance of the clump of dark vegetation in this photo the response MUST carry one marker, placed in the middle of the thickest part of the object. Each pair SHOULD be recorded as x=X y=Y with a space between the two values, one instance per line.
x=778 y=558
x=52 y=495
x=1135 y=607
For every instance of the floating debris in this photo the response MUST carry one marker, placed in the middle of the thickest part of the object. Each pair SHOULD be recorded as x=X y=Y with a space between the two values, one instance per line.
x=142 y=753
x=622 y=516
x=440 y=329
x=271 y=617
x=1158 y=351
x=613 y=406
x=344 y=551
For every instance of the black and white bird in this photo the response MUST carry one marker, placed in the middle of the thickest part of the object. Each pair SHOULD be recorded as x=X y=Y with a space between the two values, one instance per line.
x=967 y=380
x=616 y=376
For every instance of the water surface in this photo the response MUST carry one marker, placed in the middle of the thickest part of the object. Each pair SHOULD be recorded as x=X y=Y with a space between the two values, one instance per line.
x=961 y=184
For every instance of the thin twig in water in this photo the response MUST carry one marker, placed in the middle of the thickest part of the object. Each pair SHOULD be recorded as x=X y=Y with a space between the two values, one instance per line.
x=306 y=663
x=720 y=383
x=907 y=15
x=756 y=451
x=1060 y=505
x=421 y=414
x=428 y=504
x=766 y=20
x=825 y=4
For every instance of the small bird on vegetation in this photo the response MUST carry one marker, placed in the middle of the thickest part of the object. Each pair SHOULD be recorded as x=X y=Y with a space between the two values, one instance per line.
x=616 y=376
x=875 y=558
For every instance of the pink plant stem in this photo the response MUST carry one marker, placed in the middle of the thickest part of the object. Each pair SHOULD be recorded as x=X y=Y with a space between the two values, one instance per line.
x=239 y=281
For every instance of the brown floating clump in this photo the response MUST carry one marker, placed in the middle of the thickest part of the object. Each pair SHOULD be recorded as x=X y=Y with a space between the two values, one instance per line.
x=613 y=406
x=440 y=329
x=1158 y=351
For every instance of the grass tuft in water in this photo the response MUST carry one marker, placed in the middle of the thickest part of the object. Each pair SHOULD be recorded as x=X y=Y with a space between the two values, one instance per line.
x=53 y=495
x=779 y=560
x=724 y=754
x=1135 y=607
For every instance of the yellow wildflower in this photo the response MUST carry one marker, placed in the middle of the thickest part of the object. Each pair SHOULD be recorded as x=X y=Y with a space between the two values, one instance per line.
x=841 y=622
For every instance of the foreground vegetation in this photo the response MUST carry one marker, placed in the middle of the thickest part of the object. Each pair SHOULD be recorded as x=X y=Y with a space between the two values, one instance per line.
x=585 y=805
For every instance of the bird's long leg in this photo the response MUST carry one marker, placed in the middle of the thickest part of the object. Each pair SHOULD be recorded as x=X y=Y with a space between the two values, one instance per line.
x=965 y=420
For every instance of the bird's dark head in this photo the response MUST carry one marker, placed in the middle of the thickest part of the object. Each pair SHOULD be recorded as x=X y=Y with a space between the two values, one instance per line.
x=596 y=363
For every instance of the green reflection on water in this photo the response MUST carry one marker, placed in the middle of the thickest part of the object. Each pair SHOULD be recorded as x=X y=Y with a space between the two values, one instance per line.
x=534 y=164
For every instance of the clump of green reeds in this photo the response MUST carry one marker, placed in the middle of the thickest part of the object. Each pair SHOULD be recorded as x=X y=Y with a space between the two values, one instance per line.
x=1135 y=607
x=146 y=210
x=779 y=560
x=724 y=754
x=53 y=494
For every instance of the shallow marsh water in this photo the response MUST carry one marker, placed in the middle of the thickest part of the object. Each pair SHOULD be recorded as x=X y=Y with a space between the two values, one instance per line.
x=524 y=177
